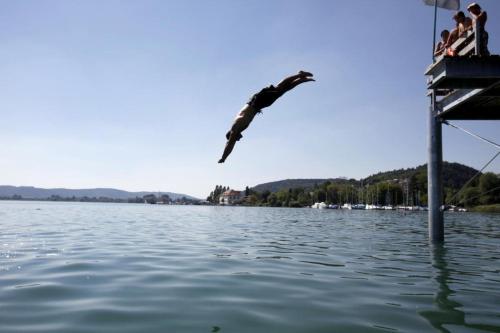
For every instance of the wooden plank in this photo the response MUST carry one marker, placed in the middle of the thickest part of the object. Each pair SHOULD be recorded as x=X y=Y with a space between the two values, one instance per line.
x=464 y=72
x=472 y=104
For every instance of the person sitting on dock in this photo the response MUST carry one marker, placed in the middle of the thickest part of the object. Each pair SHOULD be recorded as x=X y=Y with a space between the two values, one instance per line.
x=463 y=24
x=441 y=46
x=257 y=102
x=480 y=17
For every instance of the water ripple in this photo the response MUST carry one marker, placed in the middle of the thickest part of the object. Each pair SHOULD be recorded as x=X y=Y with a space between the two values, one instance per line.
x=76 y=267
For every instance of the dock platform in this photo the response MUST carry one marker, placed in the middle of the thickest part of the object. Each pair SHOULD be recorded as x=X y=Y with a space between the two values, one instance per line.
x=470 y=85
x=463 y=87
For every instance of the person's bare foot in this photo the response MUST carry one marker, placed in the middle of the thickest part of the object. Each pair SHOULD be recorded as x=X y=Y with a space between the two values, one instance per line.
x=305 y=74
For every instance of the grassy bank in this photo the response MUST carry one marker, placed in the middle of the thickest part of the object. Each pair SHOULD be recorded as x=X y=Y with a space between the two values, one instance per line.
x=487 y=209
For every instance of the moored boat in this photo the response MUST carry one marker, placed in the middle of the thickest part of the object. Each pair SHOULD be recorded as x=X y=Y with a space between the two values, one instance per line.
x=319 y=205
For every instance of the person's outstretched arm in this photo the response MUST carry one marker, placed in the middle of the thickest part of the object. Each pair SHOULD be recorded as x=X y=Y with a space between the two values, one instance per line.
x=229 y=148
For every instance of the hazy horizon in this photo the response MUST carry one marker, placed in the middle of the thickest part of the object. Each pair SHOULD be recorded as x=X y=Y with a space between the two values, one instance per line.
x=139 y=95
x=203 y=197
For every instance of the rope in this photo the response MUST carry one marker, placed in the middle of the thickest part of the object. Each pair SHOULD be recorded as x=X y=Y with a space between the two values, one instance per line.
x=496 y=145
x=473 y=177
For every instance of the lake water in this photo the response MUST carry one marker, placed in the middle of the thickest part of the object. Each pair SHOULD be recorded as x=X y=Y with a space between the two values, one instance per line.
x=83 y=267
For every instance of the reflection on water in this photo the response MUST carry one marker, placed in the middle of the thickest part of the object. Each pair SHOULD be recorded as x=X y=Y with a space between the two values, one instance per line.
x=448 y=312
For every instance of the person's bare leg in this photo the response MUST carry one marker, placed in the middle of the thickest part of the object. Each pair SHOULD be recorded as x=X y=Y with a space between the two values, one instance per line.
x=299 y=81
x=229 y=147
x=286 y=82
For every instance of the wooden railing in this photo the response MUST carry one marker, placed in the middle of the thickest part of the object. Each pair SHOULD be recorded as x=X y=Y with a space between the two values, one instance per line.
x=467 y=44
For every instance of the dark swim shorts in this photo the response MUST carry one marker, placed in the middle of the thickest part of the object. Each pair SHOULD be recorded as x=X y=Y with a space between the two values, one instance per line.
x=228 y=136
x=265 y=97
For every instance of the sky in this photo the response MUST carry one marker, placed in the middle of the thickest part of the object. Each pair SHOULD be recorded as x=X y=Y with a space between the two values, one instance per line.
x=138 y=95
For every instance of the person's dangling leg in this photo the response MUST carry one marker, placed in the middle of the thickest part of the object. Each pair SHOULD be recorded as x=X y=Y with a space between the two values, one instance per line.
x=267 y=96
x=299 y=81
x=286 y=83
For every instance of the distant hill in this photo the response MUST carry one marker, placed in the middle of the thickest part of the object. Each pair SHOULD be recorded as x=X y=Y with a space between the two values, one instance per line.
x=454 y=176
x=296 y=183
x=30 y=192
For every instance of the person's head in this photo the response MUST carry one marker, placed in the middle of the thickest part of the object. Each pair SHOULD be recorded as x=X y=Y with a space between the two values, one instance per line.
x=445 y=34
x=474 y=8
x=459 y=17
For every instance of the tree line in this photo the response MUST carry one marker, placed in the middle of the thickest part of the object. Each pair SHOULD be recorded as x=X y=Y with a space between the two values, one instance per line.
x=411 y=191
x=214 y=196
x=149 y=198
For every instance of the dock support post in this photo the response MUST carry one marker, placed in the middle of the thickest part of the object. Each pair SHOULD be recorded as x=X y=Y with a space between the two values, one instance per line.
x=434 y=174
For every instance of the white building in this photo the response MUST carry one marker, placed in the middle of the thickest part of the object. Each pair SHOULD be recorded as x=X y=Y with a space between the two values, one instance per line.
x=230 y=197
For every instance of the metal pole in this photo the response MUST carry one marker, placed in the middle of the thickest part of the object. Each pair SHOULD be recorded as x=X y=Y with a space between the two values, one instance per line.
x=434 y=174
x=434 y=36
x=477 y=38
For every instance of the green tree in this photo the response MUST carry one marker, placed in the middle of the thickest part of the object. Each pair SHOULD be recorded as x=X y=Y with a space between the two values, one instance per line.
x=470 y=196
x=303 y=199
x=265 y=195
x=165 y=198
x=252 y=199
x=283 y=198
x=150 y=198
x=272 y=200
x=489 y=186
